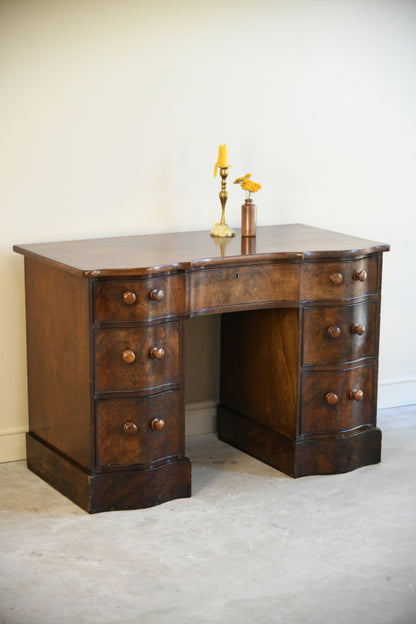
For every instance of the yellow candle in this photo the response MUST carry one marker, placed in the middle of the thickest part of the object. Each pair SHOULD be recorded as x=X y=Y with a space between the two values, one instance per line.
x=222 y=160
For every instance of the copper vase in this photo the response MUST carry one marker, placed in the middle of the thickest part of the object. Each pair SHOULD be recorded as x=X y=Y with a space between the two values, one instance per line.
x=248 y=218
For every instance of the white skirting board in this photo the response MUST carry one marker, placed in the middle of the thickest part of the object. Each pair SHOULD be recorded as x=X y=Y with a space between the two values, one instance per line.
x=201 y=416
x=12 y=443
x=396 y=393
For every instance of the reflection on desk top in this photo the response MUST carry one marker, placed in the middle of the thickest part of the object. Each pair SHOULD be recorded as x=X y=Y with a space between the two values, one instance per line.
x=184 y=251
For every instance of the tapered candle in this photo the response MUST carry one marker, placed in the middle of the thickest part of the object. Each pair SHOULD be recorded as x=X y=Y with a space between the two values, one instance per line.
x=222 y=160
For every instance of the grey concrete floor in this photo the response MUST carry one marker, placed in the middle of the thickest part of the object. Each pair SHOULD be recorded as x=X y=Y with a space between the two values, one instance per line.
x=251 y=546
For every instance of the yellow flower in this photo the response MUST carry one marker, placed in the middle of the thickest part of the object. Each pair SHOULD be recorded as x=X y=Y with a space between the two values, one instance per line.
x=250 y=186
x=240 y=180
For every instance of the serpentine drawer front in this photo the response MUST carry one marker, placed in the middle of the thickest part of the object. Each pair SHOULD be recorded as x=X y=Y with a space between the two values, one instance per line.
x=337 y=400
x=340 y=280
x=138 y=431
x=105 y=326
x=134 y=359
x=231 y=287
x=340 y=333
x=135 y=300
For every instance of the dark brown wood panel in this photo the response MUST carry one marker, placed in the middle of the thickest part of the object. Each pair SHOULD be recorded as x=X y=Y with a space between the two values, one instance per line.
x=59 y=471
x=299 y=458
x=338 y=400
x=127 y=430
x=108 y=491
x=219 y=288
x=135 y=300
x=115 y=374
x=156 y=253
x=328 y=333
x=259 y=366
x=139 y=489
x=58 y=360
x=339 y=280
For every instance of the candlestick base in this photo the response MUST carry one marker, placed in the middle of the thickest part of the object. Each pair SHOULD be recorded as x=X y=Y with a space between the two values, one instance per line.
x=222 y=231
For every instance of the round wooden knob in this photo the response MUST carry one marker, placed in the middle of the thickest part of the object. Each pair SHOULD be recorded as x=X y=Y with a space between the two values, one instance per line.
x=158 y=353
x=334 y=331
x=356 y=395
x=156 y=295
x=130 y=428
x=359 y=275
x=128 y=356
x=158 y=424
x=331 y=398
x=336 y=278
x=357 y=328
x=129 y=297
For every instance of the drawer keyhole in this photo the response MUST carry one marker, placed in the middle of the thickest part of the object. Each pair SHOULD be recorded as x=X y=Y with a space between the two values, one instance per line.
x=237 y=275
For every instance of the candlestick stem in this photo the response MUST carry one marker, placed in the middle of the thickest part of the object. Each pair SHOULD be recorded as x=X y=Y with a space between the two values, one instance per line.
x=221 y=229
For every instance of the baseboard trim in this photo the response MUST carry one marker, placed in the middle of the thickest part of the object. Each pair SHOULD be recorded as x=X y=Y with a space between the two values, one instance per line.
x=12 y=443
x=200 y=417
x=396 y=393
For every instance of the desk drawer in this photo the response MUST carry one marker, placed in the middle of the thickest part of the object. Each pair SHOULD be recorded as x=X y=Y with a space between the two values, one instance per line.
x=133 y=300
x=138 y=431
x=339 y=280
x=340 y=333
x=131 y=431
x=337 y=400
x=232 y=286
x=135 y=359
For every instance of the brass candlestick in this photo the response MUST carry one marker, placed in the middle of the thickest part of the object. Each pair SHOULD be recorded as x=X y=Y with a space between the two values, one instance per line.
x=221 y=229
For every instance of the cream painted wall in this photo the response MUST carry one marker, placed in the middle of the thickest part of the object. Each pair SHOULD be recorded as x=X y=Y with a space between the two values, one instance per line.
x=111 y=116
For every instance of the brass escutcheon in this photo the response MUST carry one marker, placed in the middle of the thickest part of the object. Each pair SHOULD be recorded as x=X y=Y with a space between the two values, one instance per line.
x=237 y=275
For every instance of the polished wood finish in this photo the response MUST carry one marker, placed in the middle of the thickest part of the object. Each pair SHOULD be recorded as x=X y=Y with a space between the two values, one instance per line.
x=317 y=416
x=157 y=295
x=336 y=278
x=331 y=398
x=359 y=275
x=259 y=366
x=152 y=439
x=110 y=491
x=352 y=342
x=129 y=297
x=247 y=285
x=139 y=300
x=305 y=456
x=116 y=370
x=181 y=251
x=58 y=360
x=323 y=280
x=105 y=339
x=158 y=424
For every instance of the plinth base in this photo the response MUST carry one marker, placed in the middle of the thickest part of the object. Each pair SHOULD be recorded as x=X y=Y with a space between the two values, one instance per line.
x=333 y=454
x=108 y=491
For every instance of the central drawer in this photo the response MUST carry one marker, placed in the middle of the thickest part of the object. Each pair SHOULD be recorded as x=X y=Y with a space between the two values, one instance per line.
x=137 y=358
x=230 y=287
x=136 y=431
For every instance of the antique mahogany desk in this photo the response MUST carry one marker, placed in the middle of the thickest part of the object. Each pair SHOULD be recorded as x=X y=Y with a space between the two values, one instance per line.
x=105 y=319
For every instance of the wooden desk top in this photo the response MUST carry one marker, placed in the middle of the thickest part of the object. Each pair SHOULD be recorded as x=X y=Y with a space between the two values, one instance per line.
x=156 y=253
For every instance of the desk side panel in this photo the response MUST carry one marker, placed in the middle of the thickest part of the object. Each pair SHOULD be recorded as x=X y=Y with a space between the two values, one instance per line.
x=58 y=360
